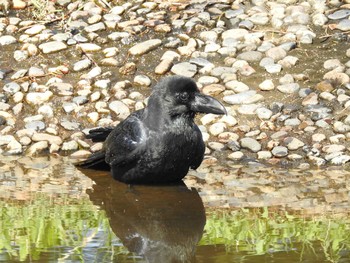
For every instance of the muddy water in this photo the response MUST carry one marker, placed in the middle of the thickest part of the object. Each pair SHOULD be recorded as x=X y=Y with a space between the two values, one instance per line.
x=50 y=211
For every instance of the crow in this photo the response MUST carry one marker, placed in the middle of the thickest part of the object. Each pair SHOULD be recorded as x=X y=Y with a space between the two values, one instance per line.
x=157 y=144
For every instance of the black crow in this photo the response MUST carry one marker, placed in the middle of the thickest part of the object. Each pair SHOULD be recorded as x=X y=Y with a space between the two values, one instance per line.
x=158 y=144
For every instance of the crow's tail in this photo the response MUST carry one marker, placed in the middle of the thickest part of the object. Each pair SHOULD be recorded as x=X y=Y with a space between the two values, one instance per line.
x=95 y=161
x=99 y=134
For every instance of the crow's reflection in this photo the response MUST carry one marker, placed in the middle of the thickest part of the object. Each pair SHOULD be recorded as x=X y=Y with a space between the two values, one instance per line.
x=160 y=223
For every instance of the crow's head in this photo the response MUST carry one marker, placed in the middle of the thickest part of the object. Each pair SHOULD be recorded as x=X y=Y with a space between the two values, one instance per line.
x=180 y=95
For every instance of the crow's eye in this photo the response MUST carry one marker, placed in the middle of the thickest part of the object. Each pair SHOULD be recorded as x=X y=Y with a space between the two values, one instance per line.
x=184 y=96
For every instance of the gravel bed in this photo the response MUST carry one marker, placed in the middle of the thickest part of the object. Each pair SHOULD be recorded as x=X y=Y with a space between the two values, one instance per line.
x=281 y=68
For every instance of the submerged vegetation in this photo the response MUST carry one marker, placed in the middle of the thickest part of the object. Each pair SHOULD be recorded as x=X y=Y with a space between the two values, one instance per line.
x=63 y=227
x=260 y=231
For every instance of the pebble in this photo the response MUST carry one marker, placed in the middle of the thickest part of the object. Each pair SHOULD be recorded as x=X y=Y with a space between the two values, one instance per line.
x=267 y=85
x=246 y=97
x=279 y=151
x=53 y=46
x=37 y=98
x=11 y=88
x=264 y=155
x=276 y=53
x=264 y=113
x=36 y=29
x=70 y=126
x=217 y=128
x=37 y=147
x=344 y=25
x=142 y=80
x=293 y=143
x=236 y=86
x=288 y=88
x=38 y=137
x=89 y=47
x=185 y=69
x=82 y=65
x=339 y=14
x=70 y=146
x=120 y=109
x=236 y=155
x=250 y=144
x=145 y=47
x=7 y=40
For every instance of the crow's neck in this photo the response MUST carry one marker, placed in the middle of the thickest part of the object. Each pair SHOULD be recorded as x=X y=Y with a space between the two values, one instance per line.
x=157 y=116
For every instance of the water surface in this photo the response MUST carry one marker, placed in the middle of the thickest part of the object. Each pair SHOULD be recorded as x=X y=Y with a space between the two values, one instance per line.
x=52 y=212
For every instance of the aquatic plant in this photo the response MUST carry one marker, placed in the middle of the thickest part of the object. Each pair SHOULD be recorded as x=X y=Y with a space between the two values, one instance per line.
x=259 y=231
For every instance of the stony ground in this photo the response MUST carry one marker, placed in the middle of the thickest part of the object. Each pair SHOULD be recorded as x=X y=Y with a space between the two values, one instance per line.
x=280 y=67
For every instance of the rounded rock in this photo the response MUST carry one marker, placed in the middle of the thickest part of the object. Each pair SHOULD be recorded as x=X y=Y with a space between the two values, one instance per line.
x=251 y=144
x=280 y=151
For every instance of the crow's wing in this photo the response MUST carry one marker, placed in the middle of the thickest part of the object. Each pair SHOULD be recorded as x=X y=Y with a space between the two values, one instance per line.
x=199 y=149
x=126 y=142
x=99 y=134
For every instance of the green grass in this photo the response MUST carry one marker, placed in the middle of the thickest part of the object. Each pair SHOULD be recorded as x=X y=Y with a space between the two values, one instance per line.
x=259 y=231
x=46 y=224
x=31 y=228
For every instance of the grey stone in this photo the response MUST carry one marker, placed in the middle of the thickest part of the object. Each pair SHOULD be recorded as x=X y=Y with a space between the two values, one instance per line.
x=37 y=147
x=236 y=86
x=293 y=143
x=142 y=80
x=264 y=155
x=219 y=71
x=276 y=53
x=248 y=109
x=120 y=109
x=14 y=147
x=89 y=47
x=251 y=144
x=341 y=159
x=20 y=55
x=237 y=34
x=246 y=24
x=288 y=88
x=246 y=97
x=53 y=46
x=7 y=40
x=273 y=68
x=35 y=125
x=339 y=14
x=80 y=100
x=70 y=126
x=145 y=47
x=250 y=56
x=234 y=13
x=68 y=107
x=208 y=36
x=264 y=113
x=185 y=69
x=95 y=27
x=63 y=37
x=11 y=88
x=37 y=98
x=344 y=25
x=341 y=127
x=6 y=139
x=70 y=146
x=36 y=29
x=266 y=61
x=35 y=72
x=292 y=122
x=279 y=151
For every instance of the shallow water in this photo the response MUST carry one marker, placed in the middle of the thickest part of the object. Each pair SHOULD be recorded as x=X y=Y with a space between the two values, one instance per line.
x=50 y=212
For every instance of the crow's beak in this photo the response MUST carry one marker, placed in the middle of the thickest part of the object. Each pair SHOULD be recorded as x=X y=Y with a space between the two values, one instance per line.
x=207 y=104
